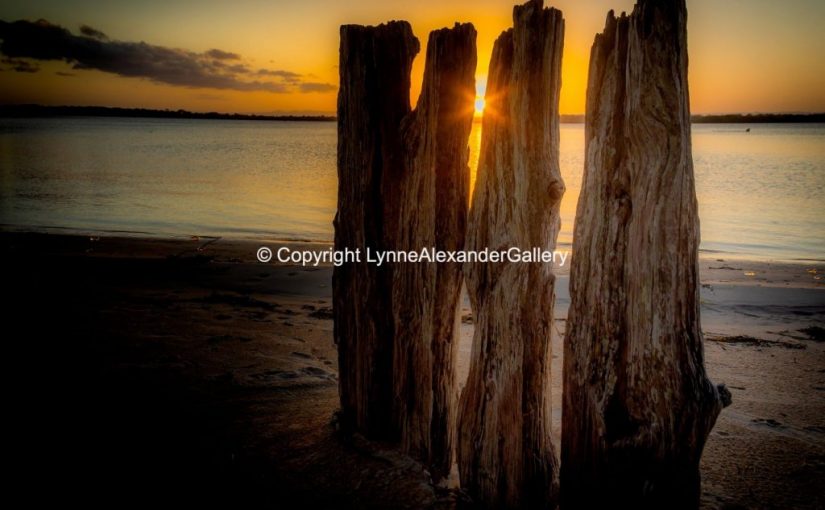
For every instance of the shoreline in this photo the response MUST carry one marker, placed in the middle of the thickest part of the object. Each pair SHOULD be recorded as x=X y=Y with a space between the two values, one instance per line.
x=187 y=365
x=710 y=260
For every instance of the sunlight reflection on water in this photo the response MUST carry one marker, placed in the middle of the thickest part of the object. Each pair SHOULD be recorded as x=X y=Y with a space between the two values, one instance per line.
x=760 y=193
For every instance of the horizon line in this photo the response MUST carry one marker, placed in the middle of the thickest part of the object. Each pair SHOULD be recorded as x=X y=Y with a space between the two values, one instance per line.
x=40 y=110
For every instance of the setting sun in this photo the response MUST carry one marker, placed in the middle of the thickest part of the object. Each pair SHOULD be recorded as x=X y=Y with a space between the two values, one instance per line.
x=479 y=106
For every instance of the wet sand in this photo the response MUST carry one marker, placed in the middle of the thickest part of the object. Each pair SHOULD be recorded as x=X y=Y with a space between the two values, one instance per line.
x=185 y=371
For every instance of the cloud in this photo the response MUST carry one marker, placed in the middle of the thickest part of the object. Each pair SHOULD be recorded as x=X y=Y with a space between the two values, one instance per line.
x=20 y=66
x=42 y=40
x=92 y=32
x=238 y=69
x=316 y=87
x=287 y=76
x=222 y=55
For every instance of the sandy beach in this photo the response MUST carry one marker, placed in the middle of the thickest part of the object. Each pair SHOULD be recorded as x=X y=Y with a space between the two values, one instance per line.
x=186 y=369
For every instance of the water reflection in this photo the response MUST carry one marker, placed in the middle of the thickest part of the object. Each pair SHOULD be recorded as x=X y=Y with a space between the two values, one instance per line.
x=760 y=192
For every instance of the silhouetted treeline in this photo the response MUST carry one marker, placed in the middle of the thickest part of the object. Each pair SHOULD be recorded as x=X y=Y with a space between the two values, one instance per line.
x=733 y=118
x=33 y=110
x=757 y=118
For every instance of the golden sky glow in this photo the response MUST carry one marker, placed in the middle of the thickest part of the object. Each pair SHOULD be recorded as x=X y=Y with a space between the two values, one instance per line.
x=745 y=56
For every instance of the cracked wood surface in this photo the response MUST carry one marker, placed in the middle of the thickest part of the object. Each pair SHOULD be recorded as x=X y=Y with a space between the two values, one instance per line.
x=638 y=405
x=506 y=457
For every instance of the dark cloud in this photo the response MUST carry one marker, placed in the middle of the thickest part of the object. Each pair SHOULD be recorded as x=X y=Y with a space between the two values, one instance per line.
x=92 y=32
x=42 y=40
x=287 y=76
x=20 y=65
x=238 y=69
x=222 y=55
x=316 y=87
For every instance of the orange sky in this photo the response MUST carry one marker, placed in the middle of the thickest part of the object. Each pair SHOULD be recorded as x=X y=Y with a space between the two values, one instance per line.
x=745 y=56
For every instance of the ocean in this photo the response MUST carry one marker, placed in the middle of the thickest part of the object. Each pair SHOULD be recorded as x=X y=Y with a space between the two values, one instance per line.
x=761 y=193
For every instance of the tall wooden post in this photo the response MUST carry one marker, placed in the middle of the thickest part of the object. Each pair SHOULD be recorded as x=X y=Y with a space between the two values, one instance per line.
x=638 y=405
x=433 y=211
x=373 y=99
x=506 y=457
x=403 y=185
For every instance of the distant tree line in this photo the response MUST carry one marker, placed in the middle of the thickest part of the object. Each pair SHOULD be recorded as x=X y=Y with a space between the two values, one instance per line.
x=756 y=118
x=732 y=118
x=34 y=110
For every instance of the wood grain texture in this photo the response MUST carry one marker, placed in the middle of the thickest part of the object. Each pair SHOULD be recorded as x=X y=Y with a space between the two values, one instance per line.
x=374 y=68
x=506 y=457
x=433 y=210
x=638 y=405
x=403 y=185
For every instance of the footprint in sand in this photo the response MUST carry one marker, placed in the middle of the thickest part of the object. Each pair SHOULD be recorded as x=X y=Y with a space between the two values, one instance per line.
x=322 y=313
x=280 y=374
x=318 y=372
x=768 y=422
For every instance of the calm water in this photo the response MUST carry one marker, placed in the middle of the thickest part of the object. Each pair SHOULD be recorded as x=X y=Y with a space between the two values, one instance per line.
x=761 y=194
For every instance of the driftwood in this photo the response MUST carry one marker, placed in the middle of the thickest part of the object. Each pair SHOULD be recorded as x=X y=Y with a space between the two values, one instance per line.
x=638 y=405
x=403 y=185
x=433 y=212
x=506 y=458
x=373 y=98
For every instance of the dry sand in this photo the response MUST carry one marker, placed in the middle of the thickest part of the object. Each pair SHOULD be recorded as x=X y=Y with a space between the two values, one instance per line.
x=184 y=371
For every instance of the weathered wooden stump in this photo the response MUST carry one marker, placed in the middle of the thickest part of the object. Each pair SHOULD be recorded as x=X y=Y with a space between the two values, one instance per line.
x=433 y=212
x=506 y=458
x=638 y=405
x=403 y=185
x=373 y=98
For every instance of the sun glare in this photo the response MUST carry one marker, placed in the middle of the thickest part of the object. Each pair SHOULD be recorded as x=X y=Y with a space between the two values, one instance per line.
x=479 y=106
